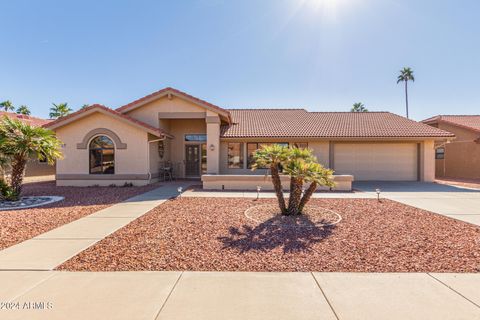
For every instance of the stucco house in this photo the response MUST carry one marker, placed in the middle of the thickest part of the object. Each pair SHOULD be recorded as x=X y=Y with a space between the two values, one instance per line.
x=459 y=158
x=200 y=140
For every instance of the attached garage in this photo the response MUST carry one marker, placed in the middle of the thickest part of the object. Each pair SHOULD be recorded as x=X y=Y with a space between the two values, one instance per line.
x=377 y=161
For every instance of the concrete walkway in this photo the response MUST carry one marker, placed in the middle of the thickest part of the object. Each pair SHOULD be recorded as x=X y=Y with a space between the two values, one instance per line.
x=219 y=295
x=50 y=249
x=451 y=201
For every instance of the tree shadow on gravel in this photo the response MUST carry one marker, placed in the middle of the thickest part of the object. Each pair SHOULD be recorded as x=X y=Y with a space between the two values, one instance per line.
x=293 y=234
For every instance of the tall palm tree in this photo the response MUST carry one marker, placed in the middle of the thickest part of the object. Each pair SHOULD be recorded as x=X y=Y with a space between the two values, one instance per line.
x=406 y=74
x=59 y=110
x=358 y=107
x=19 y=142
x=7 y=105
x=23 y=109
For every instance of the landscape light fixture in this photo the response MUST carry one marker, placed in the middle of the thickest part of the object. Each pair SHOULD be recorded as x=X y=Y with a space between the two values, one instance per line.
x=179 y=189
x=258 y=191
x=378 y=194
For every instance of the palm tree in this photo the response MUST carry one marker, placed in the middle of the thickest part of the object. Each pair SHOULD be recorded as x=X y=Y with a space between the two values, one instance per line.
x=272 y=157
x=19 y=142
x=358 y=107
x=7 y=105
x=406 y=74
x=59 y=110
x=23 y=109
x=301 y=165
x=84 y=106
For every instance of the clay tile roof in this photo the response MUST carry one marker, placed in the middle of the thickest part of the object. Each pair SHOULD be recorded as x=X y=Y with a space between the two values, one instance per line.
x=146 y=126
x=31 y=120
x=301 y=123
x=471 y=122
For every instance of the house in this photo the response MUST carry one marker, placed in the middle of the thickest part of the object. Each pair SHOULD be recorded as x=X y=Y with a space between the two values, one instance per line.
x=103 y=146
x=35 y=167
x=459 y=158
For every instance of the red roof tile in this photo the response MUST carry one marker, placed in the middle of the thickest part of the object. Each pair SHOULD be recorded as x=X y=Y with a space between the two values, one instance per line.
x=471 y=122
x=301 y=123
x=34 y=121
x=111 y=111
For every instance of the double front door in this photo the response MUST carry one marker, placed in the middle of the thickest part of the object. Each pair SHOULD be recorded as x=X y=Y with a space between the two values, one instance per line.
x=195 y=159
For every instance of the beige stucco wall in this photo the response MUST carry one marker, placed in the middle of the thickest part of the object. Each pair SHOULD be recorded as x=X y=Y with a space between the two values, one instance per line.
x=251 y=182
x=427 y=161
x=148 y=113
x=36 y=168
x=132 y=160
x=462 y=155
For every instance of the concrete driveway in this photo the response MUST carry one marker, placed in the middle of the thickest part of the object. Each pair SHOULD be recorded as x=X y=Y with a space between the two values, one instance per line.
x=456 y=202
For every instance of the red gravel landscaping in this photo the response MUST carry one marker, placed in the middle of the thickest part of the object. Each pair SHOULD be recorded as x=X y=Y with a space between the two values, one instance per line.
x=19 y=225
x=213 y=234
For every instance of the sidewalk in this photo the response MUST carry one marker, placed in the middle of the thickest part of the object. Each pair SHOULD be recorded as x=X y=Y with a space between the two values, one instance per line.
x=50 y=249
x=262 y=296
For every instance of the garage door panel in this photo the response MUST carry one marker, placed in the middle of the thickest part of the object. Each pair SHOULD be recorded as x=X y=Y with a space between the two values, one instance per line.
x=377 y=161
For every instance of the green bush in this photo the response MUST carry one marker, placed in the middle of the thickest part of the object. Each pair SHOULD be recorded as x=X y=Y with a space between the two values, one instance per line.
x=7 y=192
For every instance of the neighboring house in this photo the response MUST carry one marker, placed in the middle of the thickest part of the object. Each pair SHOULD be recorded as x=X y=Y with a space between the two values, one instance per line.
x=459 y=158
x=198 y=139
x=34 y=168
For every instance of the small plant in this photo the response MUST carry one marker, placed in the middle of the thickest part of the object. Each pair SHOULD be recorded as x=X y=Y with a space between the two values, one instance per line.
x=127 y=184
x=6 y=192
x=113 y=185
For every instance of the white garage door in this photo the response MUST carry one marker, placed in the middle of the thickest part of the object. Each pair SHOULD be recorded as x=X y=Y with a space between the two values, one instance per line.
x=377 y=161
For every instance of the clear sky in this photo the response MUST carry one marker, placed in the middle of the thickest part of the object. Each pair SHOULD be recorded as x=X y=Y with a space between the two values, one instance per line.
x=323 y=55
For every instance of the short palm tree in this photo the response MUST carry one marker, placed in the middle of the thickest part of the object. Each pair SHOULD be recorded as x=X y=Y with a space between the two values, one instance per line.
x=59 y=110
x=358 y=107
x=272 y=157
x=20 y=142
x=23 y=109
x=7 y=105
x=301 y=165
x=406 y=74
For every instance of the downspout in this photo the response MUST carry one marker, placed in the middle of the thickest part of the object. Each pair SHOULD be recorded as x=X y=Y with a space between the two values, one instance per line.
x=148 y=156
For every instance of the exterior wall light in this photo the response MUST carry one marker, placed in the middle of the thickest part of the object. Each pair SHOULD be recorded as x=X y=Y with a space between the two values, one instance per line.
x=212 y=147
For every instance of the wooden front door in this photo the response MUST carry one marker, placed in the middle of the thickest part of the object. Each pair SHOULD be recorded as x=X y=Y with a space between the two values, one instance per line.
x=192 y=160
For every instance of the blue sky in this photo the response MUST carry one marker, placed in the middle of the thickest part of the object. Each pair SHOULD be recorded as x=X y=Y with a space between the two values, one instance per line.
x=323 y=55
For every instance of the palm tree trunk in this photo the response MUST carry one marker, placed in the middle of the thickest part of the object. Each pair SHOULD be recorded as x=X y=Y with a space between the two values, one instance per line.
x=277 y=185
x=406 y=96
x=295 y=196
x=306 y=197
x=18 y=168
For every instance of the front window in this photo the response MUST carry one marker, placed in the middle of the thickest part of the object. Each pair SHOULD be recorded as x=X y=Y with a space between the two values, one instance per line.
x=235 y=155
x=440 y=153
x=102 y=156
x=254 y=146
x=196 y=137
x=301 y=145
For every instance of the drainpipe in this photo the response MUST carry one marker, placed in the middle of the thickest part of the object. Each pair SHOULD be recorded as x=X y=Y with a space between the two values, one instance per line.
x=148 y=156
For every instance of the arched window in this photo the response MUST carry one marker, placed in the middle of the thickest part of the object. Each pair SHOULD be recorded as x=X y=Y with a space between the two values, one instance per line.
x=102 y=155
